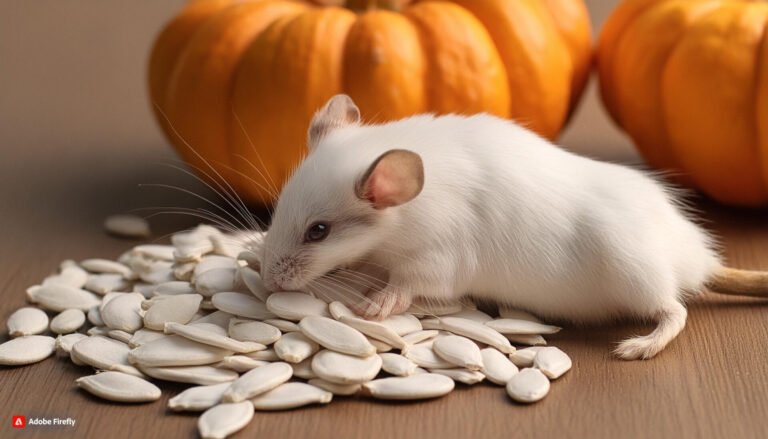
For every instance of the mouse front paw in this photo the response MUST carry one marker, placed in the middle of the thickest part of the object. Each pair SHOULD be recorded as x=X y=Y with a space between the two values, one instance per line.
x=379 y=305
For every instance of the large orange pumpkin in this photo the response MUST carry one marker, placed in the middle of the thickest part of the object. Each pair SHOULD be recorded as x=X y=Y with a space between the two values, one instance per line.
x=688 y=81
x=235 y=83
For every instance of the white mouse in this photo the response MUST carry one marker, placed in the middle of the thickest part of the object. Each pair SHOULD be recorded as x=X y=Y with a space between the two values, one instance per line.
x=451 y=206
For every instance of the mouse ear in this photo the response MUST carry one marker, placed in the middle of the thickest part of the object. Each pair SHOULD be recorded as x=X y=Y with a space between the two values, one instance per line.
x=338 y=112
x=396 y=177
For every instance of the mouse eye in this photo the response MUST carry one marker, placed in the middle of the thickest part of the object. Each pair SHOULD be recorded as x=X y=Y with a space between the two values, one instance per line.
x=317 y=232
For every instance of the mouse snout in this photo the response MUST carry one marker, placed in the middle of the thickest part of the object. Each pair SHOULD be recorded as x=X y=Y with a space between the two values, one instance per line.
x=281 y=275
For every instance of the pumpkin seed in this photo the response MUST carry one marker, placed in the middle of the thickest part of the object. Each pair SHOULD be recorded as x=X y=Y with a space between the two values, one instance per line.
x=198 y=398
x=218 y=318
x=225 y=419
x=478 y=332
x=371 y=329
x=258 y=381
x=124 y=312
x=208 y=337
x=144 y=336
x=472 y=314
x=215 y=280
x=96 y=265
x=127 y=226
x=183 y=271
x=336 y=336
x=98 y=330
x=432 y=324
x=497 y=367
x=283 y=325
x=193 y=252
x=154 y=252
x=27 y=321
x=379 y=345
x=242 y=305
x=304 y=370
x=26 y=349
x=459 y=351
x=419 y=386
x=398 y=365
x=121 y=336
x=426 y=357
x=253 y=282
x=345 y=369
x=174 y=350
x=211 y=262
x=265 y=355
x=290 y=396
x=464 y=376
x=420 y=336
x=250 y=330
x=146 y=290
x=67 y=321
x=106 y=283
x=70 y=275
x=174 y=288
x=57 y=297
x=529 y=385
x=64 y=343
x=336 y=389
x=251 y=259
x=118 y=386
x=552 y=362
x=158 y=273
x=524 y=357
x=240 y=363
x=506 y=312
x=104 y=353
x=521 y=327
x=94 y=316
x=202 y=375
x=402 y=324
x=178 y=309
x=294 y=347
x=527 y=339
x=296 y=306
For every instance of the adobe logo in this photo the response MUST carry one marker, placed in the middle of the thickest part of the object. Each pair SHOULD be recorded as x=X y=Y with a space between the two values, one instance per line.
x=19 y=421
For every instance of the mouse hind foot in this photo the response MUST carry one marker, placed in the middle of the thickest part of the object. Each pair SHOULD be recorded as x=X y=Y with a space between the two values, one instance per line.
x=670 y=322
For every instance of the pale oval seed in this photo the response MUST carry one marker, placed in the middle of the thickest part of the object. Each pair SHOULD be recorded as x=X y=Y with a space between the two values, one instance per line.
x=511 y=313
x=68 y=321
x=419 y=386
x=345 y=369
x=336 y=336
x=240 y=363
x=528 y=385
x=27 y=349
x=477 y=331
x=253 y=282
x=296 y=306
x=290 y=396
x=106 y=283
x=497 y=367
x=463 y=376
x=208 y=337
x=173 y=288
x=120 y=387
x=524 y=357
x=124 y=312
x=64 y=343
x=127 y=226
x=27 y=321
x=199 y=398
x=426 y=357
x=178 y=309
x=472 y=314
x=402 y=324
x=215 y=280
x=420 y=336
x=336 y=389
x=96 y=265
x=225 y=419
x=104 y=353
x=70 y=275
x=174 y=350
x=241 y=305
x=304 y=370
x=459 y=351
x=57 y=297
x=258 y=381
x=552 y=362
x=521 y=327
x=283 y=325
x=250 y=330
x=398 y=365
x=295 y=347
x=527 y=339
x=202 y=375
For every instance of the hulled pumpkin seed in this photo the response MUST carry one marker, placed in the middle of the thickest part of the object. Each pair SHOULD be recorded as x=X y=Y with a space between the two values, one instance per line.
x=552 y=362
x=296 y=306
x=290 y=396
x=250 y=330
x=459 y=351
x=258 y=381
x=294 y=347
x=67 y=321
x=336 y=336
x=397 y=365
x=345 y=369
x=27 y=321
x=178 y=309
x=241 y=305
x=118 y=386
x=478 y=332
x=497 y=367
x=419 y=386
x=26 y=349
x=202 y=375
x=225 y=419
x=528 y=385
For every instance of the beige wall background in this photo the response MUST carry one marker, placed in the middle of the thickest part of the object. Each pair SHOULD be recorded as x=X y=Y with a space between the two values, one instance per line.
x=72 y=75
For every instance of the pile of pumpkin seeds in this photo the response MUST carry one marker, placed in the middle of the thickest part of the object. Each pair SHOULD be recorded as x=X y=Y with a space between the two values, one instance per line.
x=195 y=312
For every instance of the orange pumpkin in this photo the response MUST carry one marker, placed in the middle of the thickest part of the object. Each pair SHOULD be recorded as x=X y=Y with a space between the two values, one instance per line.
x=688 y=81
x=235 y=83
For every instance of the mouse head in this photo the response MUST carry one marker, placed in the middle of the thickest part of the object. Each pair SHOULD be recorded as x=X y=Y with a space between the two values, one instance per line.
x=339 y=204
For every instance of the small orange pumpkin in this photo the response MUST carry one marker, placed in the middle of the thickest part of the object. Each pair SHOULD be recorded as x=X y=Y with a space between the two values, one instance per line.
x=688 y=81
x=235 y=83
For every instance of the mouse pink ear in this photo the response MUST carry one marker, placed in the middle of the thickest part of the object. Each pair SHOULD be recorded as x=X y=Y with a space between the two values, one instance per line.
x=396 y=177
x=338 y=112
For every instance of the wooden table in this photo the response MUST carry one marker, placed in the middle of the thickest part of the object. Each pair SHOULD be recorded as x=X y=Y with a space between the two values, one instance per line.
x=712 y=381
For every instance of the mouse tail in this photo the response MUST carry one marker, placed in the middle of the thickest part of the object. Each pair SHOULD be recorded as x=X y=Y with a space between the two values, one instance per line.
x=737 y=282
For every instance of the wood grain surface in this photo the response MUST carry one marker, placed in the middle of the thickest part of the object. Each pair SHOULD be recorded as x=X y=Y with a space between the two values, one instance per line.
x=77 y=140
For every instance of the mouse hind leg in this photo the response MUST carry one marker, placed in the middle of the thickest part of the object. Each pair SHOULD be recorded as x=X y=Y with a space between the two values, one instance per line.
x=671 y=320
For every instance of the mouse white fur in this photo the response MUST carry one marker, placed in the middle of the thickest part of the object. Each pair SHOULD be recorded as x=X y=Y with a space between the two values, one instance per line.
x=453 y=205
